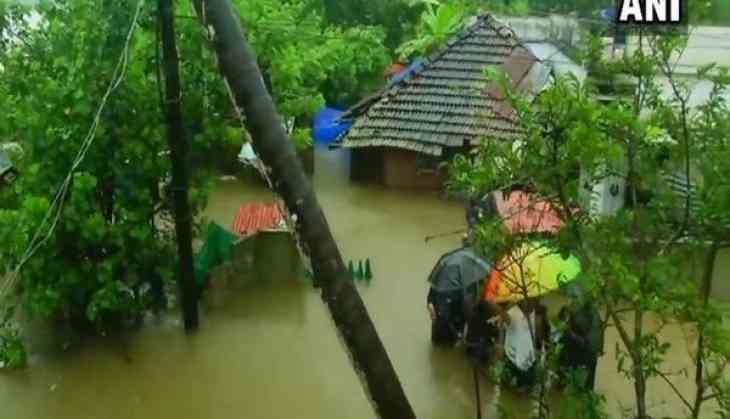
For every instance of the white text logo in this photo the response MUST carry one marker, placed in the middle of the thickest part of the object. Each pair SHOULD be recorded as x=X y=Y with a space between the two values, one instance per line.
x=650 y=11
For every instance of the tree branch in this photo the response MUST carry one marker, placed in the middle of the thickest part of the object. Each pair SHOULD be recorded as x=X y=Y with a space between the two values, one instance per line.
x=675 y=389
x=711 y=396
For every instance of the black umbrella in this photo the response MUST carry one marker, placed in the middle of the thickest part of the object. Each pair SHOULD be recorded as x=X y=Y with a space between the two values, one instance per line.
x=458 y=270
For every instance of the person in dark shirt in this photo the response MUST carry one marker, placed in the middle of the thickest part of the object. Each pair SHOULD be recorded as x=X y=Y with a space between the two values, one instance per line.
x=447 y=316
x=542 y=326
x=477 y=209
x=483 y=331
x=582 y=343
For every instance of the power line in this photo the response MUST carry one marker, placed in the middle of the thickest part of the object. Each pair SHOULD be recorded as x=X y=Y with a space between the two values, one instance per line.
x=53 y=213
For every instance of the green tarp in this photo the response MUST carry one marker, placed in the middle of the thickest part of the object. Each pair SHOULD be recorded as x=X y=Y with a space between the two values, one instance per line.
x=216 y=251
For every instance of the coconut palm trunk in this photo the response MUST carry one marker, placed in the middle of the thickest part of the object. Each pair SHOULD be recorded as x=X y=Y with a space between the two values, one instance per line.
x=239 y=67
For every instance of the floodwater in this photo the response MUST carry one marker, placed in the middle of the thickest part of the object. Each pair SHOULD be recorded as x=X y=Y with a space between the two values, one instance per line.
x=271 y=350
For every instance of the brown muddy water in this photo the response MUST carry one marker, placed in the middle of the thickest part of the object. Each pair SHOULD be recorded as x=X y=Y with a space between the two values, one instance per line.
x=271 y=351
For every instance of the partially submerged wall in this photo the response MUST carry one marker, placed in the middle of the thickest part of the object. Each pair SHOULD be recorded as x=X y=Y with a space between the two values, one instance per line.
x=400 y=170
x=264 y=258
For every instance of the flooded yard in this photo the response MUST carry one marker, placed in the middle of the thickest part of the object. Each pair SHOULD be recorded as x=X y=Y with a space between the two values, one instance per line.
x=271 y=351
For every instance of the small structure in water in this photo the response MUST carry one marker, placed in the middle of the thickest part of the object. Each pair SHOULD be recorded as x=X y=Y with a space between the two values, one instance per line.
x=261 y=248
x=257 y=216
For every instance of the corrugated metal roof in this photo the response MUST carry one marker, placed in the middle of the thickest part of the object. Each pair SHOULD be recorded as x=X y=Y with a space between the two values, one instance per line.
x=562 y=65
x=678 y=184
x=445 y=103
x=257 y=216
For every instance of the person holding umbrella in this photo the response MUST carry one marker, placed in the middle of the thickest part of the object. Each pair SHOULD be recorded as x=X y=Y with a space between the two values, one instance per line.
x=521 y=276
x=520 y=345
x=582 y=344
x=483 y=332
x=455 y=283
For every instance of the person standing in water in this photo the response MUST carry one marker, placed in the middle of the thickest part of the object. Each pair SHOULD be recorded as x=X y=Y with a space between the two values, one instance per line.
x=520 y=343
x=446 y=310
x=483 y=331
x=582 y=343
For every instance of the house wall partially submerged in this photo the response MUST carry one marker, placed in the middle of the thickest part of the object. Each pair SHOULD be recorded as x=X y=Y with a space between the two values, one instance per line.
x=401 y=170
x=266 y=257
x=366 y=164
x=394 y=168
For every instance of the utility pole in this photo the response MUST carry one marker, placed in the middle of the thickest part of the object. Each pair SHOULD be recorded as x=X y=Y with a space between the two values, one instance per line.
x=180 y=155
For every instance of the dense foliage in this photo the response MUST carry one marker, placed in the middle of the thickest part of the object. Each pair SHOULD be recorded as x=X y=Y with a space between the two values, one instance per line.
x=634 y=259
x=396 y=17
x=437 y=24
x=309 y=62
x=111 y=252
x=106 y=248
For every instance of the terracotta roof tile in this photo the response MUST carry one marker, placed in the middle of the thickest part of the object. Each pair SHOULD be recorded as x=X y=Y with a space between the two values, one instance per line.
x=445 y=103
x=257 y=216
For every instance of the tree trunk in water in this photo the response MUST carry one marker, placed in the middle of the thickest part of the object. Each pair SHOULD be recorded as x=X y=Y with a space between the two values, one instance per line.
x=238 y=65
x=700 y=361
x=640 y=391
x=639 y=378
x=180 y=155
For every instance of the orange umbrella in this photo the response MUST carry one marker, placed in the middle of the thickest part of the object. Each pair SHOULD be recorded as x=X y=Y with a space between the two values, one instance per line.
x=529 y=271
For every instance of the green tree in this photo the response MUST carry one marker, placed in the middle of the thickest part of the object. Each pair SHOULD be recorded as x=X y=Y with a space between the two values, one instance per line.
x=308 y=62
x=397 y=17
x=113 y=242
x=107 y=247
x=438 y=22
x=632 y=260
x=442 y=19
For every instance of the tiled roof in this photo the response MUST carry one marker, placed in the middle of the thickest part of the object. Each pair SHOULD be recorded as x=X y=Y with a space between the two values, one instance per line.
x=257 y=216
x=447 y=102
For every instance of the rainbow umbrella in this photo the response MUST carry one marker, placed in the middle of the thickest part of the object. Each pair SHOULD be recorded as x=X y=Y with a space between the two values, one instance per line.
x=529 y=271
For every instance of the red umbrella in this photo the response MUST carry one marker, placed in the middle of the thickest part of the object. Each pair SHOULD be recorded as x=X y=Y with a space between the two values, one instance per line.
x=522 y=213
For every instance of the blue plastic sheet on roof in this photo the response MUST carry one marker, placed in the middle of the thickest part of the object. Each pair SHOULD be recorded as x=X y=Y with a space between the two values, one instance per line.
x=326 y=128
x=413 y=67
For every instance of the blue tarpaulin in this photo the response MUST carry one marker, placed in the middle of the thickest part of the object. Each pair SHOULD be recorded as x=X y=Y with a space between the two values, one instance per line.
x=414 y=67
x=326 y=128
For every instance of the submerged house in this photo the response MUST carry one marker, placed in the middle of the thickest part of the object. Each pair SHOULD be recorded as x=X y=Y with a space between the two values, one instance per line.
x=444 y=105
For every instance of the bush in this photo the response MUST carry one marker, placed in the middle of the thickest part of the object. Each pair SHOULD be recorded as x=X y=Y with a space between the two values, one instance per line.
x=12 y=351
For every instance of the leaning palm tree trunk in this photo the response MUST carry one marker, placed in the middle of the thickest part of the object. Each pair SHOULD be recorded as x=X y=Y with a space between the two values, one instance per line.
x=238 y=65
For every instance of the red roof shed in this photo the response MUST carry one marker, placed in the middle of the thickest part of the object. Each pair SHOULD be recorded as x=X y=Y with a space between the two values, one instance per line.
x=257 y=216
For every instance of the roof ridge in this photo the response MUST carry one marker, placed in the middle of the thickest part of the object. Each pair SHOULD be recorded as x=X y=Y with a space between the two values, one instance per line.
x=492 y=38
x=480 y=20
x=502 y=29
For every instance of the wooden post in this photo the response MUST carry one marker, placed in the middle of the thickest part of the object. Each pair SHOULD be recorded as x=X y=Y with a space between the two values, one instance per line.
x=180 y=155
x=238 y=64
